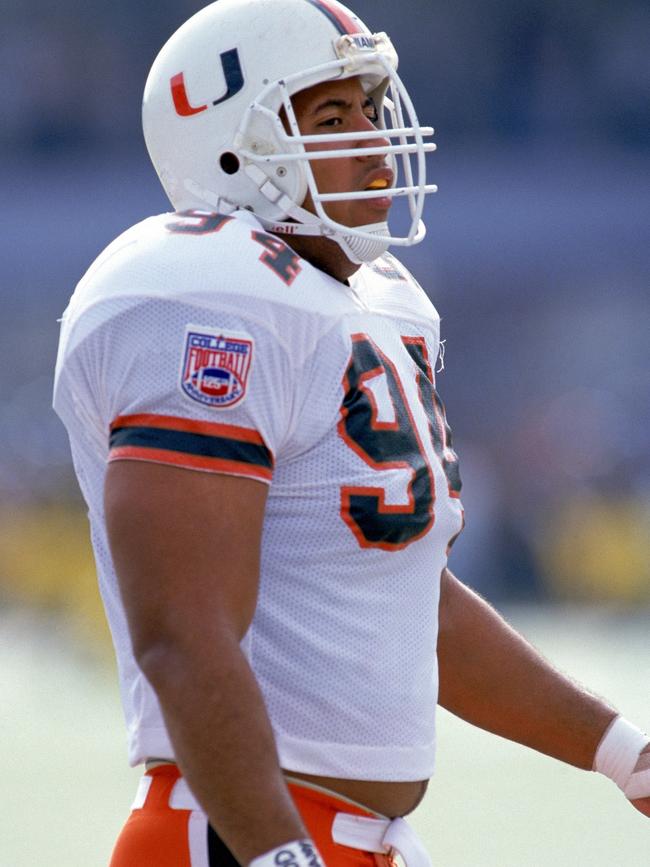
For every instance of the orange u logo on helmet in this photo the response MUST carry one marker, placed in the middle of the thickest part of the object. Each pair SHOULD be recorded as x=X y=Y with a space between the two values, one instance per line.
x=232 y=73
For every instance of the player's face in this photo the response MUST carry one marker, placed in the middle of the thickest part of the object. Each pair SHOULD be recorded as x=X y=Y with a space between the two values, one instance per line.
x=342 y=106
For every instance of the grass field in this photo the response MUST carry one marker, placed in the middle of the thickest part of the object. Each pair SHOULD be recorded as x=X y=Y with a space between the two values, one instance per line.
x=66 y=787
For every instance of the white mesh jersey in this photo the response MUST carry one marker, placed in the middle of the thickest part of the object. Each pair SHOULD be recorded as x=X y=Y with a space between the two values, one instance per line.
x=200 y=341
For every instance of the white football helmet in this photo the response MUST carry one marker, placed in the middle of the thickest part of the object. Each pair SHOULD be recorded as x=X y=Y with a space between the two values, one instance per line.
x=212 y=125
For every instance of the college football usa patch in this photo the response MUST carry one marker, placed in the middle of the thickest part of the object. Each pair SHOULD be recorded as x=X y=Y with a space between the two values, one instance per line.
x=215 y=366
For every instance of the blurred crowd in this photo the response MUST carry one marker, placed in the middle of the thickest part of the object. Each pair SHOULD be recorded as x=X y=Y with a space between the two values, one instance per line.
x=503 y=68
x=538 y=257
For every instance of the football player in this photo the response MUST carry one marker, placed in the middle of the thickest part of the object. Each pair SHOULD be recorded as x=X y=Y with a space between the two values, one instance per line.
x=249 y=388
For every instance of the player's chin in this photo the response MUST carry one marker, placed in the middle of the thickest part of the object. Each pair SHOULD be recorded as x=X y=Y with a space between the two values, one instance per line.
x=372 y=211
x=382 y=204
x=362 y=213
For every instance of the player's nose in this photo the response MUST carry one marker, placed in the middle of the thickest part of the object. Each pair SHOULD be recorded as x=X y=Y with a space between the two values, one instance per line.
x=364 y=124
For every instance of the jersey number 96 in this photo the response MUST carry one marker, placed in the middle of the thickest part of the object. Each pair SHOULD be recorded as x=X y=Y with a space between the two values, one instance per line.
x=392 y=444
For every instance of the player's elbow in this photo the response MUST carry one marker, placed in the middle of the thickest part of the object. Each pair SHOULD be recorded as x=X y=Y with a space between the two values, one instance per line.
x=157 y=651
x=166 y=655
x=157 y=659
x=165 y=663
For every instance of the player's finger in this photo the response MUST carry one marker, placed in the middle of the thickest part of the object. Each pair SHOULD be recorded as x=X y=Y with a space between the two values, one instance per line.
x=644 y=760
x=643 y=763
x=638 y=785
x=642 y=805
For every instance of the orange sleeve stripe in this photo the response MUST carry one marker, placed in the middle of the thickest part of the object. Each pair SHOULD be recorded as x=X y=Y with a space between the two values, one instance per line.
x=191 y=443
x=188 y=425
x=191 y=462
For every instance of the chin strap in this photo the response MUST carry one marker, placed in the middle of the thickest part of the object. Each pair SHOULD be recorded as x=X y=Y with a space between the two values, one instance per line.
x=302 y=222
x=358 y=250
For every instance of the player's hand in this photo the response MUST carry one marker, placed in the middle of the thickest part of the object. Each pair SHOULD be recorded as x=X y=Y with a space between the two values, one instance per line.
x=643 y=764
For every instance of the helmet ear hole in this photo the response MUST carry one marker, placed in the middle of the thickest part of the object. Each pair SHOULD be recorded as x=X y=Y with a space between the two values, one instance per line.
x=229 y=163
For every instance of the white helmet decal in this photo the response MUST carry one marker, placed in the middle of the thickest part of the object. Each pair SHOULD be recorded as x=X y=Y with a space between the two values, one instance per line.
x=211 y=117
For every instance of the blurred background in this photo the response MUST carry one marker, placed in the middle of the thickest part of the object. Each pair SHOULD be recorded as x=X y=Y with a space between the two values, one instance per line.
x=537 y=257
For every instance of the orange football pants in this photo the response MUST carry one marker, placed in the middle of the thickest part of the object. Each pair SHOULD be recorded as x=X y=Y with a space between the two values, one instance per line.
x=159 y=835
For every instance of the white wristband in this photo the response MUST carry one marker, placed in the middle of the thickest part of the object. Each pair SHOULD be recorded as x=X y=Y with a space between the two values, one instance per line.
x=298 y=853
x=618 y=753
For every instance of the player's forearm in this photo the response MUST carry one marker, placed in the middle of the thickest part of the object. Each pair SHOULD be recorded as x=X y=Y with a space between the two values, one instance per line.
x=493 y=678
x=224 y=745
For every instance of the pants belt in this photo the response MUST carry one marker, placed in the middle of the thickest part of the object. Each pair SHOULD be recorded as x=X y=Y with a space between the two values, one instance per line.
x=181 y=797
x=357 y=832
x=381 y=835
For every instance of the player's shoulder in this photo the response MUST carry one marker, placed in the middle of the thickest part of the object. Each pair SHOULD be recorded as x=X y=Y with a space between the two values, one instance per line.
x=389 y=286
x=201 y=257
x=168 y=255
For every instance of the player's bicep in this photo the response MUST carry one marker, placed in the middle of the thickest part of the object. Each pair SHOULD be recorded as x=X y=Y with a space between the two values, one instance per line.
x=186 y=549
